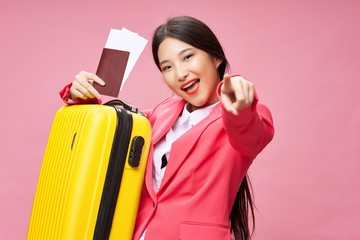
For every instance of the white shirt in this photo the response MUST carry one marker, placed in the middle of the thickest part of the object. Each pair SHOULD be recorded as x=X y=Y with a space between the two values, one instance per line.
x=185 y=121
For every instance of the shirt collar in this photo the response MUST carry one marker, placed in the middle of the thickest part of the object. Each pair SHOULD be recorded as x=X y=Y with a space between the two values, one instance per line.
x=196 y=116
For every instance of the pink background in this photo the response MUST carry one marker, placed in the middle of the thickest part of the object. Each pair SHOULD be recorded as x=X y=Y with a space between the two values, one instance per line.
x=303 y=57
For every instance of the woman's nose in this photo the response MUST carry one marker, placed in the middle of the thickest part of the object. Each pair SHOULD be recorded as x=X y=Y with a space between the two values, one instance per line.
x=181 y=73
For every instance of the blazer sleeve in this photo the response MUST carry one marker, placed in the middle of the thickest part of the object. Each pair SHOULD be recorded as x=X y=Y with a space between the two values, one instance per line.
x=251 y=130
x=65 y=96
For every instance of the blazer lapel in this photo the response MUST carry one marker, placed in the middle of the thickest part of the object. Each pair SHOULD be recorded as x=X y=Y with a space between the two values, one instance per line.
x=182 y=147
x=164 y=121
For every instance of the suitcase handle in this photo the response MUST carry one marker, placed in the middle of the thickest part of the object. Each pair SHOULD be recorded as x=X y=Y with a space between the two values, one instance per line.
x=127 y=106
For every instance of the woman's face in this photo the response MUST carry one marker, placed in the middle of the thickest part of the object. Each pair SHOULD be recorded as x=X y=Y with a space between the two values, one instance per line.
x=190 y=72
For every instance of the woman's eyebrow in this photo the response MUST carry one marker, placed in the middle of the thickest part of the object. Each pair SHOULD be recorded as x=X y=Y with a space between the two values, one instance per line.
x=184 y=50
x=180 y=53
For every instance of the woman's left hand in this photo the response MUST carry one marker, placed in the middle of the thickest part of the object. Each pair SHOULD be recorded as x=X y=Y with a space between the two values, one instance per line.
x=236 y=93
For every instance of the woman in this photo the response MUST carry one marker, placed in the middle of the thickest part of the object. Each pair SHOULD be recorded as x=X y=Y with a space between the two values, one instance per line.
x=205 y=138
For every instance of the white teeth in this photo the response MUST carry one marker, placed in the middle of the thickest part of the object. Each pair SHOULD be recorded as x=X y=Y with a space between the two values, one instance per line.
x=190 y=84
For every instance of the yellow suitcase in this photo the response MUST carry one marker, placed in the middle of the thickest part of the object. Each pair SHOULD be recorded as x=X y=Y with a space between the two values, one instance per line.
x=92 y=173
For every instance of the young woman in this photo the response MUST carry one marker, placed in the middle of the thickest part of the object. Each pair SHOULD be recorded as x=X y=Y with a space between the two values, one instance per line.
x=204 y=140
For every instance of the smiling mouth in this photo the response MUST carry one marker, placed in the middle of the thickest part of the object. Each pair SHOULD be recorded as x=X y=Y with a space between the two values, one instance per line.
x=190 y=85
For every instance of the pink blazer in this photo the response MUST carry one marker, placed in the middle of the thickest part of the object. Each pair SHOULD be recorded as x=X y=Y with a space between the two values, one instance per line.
x=204 y=172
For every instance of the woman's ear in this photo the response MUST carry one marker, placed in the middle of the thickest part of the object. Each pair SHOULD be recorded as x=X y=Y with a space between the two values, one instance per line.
x=218 y=61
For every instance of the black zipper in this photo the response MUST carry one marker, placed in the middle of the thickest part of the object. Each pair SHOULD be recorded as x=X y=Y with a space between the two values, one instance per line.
x=114 y=174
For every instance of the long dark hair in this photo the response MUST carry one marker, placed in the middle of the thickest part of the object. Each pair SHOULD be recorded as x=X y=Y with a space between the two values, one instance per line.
x=194 y=32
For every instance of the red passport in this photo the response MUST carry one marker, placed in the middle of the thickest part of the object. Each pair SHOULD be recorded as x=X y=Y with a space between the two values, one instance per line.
x=111 y=69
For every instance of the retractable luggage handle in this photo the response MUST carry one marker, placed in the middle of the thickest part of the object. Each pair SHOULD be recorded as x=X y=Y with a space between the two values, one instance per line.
x=125 y=105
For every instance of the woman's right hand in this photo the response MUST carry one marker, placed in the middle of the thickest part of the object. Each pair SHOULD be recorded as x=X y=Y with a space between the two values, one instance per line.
x=82 y=86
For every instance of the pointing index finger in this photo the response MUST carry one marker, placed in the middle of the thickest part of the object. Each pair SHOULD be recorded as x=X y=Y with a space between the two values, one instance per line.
x=226 y=83
x=226 y=78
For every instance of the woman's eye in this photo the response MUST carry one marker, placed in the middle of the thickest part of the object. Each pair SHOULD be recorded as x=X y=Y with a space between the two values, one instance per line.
x=188 y=56
x=166 y=68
